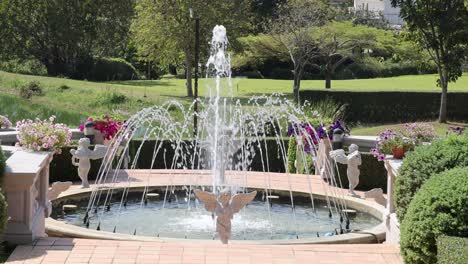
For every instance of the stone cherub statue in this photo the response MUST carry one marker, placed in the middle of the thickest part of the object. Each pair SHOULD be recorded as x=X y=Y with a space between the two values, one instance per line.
x=83 y=154
x=224 y=208
x=353 y=160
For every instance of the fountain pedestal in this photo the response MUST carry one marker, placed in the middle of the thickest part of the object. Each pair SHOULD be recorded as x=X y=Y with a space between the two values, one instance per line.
x=26 y=185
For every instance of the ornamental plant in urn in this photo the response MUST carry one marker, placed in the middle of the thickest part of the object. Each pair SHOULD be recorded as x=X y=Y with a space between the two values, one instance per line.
x=105 y=129
x=43 y=135
x=393 y=143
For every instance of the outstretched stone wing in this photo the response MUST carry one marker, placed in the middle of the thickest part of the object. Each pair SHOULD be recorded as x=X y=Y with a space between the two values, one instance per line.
x=208 y=199
x=240 y=200
x=99 y=152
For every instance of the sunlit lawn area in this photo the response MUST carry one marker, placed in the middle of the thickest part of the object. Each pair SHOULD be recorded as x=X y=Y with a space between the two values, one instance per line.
x=82 y=98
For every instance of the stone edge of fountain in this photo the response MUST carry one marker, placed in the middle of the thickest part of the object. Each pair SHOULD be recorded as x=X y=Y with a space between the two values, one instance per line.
x=372 y=235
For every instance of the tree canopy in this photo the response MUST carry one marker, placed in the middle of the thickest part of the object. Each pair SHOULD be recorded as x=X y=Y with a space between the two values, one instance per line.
x=164 y=31
x=441 y=27
x=64 y=35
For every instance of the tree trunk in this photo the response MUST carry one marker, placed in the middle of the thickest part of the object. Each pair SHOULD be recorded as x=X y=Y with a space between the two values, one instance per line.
x=443 y=99
x=188 y=74
x=327 y=80
x=297 y=84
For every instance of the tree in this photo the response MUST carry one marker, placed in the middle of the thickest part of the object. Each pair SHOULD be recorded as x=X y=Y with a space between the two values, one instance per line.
x=64 y=35
x=292 y=31
x=441 y=26
x=335 y=43
x=164 y=31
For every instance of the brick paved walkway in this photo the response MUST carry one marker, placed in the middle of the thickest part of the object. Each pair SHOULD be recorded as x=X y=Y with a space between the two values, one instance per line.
x=67 y=250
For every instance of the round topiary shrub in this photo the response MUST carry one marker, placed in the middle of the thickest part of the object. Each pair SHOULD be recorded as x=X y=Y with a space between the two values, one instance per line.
x=438 y=208
x=425 y=161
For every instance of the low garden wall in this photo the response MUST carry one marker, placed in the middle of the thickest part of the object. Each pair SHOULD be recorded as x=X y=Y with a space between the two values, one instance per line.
x=381 y=107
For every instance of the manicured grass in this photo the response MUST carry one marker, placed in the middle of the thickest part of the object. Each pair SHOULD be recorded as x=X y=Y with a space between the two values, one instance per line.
x=440 y=129
x=83 y=98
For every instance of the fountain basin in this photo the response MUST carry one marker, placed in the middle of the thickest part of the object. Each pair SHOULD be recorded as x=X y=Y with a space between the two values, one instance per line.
x=157 y=180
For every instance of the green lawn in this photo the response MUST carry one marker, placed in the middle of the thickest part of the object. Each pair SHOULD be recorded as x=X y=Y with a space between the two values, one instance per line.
x=85 y=98
x=440 y=129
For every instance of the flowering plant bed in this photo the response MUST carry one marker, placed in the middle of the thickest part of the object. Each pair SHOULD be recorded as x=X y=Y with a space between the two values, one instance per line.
x=455 y=129
x=390 y=142
x=4 y=122
x=106 y=126
x=43 y=135
x=419 y=132
x=311 y=135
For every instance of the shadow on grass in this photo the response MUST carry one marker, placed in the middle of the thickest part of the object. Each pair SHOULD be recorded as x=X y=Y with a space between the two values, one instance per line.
x=147 y=83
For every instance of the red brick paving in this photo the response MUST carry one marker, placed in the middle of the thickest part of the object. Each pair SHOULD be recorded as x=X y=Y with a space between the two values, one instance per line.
x=68 y=250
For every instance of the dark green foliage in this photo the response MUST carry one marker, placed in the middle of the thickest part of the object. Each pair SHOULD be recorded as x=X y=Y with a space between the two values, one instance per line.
x=3 y=212
x=381 y=107
x=373 y=174
x=28 y=66
x=112 y=69
x=64 y=35
x=2 y=163
x=253 y=75
x=438 y=208
x=31 y=89
x=111 y=98
x=292 y=148
x=424 y=162
x=63 y=88
x=3 y=203
x=452 y=250
x=62 y=169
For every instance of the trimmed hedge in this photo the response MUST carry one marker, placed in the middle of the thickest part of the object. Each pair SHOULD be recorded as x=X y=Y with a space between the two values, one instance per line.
x=439 y=208
x=380 y=107
x=452 y=250
x=62 y=169
x=373 y=174
x=425 y=161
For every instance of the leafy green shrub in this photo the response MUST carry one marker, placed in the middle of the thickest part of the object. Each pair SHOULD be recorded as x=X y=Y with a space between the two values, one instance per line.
x=112 y=69
x=438 y=208
x=452 y=250
x=63 y=88
x=425 y=161
x=292 y=149
x=111 y=98
x=31 y=89
x=32 y=67
x=3 y=212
